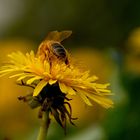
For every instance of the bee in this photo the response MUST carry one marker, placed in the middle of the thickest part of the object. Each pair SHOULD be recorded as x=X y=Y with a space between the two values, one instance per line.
x=52 y=48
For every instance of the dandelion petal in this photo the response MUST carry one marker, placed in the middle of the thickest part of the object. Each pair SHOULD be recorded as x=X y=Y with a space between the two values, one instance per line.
x=51 y=82
x=31 y=80
x=105 y=102
x=84 y=97
x=63 y=87
x=39 y=87
x=71 y=91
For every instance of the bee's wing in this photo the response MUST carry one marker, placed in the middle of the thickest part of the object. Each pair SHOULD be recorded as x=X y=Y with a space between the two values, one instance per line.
x=64 y=34
x=58 y=36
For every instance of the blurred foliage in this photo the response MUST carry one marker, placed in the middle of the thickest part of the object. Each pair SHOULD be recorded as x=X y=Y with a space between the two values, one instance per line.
x=100 y=23
x=106 y=39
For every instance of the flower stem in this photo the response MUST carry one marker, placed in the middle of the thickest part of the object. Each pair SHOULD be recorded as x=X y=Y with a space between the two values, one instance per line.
x=44 y=126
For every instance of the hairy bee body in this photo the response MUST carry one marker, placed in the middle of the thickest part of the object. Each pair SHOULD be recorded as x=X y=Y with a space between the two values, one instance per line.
x=59 y=50
x=51 y=47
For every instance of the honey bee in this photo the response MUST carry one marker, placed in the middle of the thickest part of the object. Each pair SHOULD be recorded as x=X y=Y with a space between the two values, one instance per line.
x=52 y=48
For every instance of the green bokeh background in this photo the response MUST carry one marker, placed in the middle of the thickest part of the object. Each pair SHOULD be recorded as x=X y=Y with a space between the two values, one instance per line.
x=102 y=25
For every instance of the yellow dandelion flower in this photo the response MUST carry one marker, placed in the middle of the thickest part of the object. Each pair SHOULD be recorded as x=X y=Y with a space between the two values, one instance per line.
x=53 y=77
x=71 y=80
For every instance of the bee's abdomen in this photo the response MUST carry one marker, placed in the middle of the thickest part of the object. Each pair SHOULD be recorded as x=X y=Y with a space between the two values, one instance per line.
x=59 y=50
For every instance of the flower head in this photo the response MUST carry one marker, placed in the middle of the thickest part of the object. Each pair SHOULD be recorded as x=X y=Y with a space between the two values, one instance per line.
x=52 y=80
x=71 y=80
